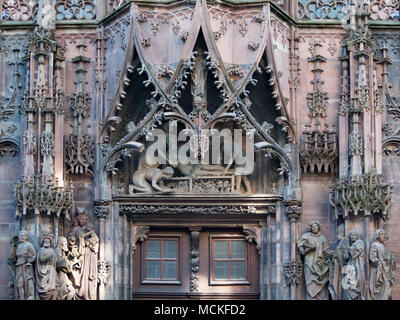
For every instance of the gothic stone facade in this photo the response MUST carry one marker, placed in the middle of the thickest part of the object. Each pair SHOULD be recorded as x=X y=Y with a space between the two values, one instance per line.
x=85 y=215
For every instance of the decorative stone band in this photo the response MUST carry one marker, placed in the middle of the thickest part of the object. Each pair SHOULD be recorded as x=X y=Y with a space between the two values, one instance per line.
x=184 y=209
x=293 y=271
x=360 y=194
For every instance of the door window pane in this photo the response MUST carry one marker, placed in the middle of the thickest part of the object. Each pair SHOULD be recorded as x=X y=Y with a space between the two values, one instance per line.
x=237 y=249
x=221 y=249
x=237 y=270
x=169 y=270
x=153 y=249
x=169 y=249
x=221 y=270
x=153 y=270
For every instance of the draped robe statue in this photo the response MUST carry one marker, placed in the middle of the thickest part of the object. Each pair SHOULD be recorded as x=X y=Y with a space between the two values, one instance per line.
x=46 y=269
x=66 y=290
x=313 y=246
x=353 y=272
x=88 y=247
x=382 y=267
x=24 y=275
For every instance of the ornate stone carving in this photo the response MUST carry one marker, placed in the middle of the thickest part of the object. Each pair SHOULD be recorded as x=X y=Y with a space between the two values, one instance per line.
x=39 y=193
x=384 y=9
x=185 y=209
x=171 y=19
x=140 y=235
x=47 y=143
x=103 y=270
x=19 y=10
x=293 y=210
x=87 y=280
x=314 y=247
x=225 y=17
x=383 y=265
x=353 y=278
x=24 y=275
x=46 y=269
x=115 y=4
x=355 y=143
x=322 y=10
x=66 y=289
x=293 y=271
x=165 y=72
x=75 y=10
x=357 y=194
x=101 y=210
x=10 y=104
x=319 y=152
x=194 y=261
x=147 y=180
x=79 y=147
x=8 y=143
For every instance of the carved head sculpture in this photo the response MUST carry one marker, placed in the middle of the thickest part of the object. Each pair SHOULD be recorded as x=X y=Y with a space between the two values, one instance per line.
x=47 y=240
x=340 y=232
x=23 y=236
x=168 y=172
x=82 y=219
x=62 y=244
x=314 y=227
x=379 y=235
x=71 y=239
x=353 y=236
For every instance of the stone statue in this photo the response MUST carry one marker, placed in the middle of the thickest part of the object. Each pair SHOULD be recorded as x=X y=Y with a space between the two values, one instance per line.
x=24 y=275
x=146 y=180
x=12 y=260
x=314 y=247
x=66 y=290
x=382 y=266
x=46 y=269
x=73 y=258
x=353 y=273
x=337 y=262
x=89 y=258
x=80 y=222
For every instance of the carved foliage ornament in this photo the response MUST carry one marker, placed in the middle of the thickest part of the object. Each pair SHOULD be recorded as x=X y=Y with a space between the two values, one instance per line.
x=39 y=193
x=293 y=271
x=220 y=209
x=19 y=10
x=225 y=17
x=384 y=9
x=361 y=193
x=75 y=9
x=322 y=9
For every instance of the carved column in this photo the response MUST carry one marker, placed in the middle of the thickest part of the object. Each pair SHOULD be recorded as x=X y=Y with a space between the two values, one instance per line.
x=102 y=211
x=293 y=268
x=194 y=258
